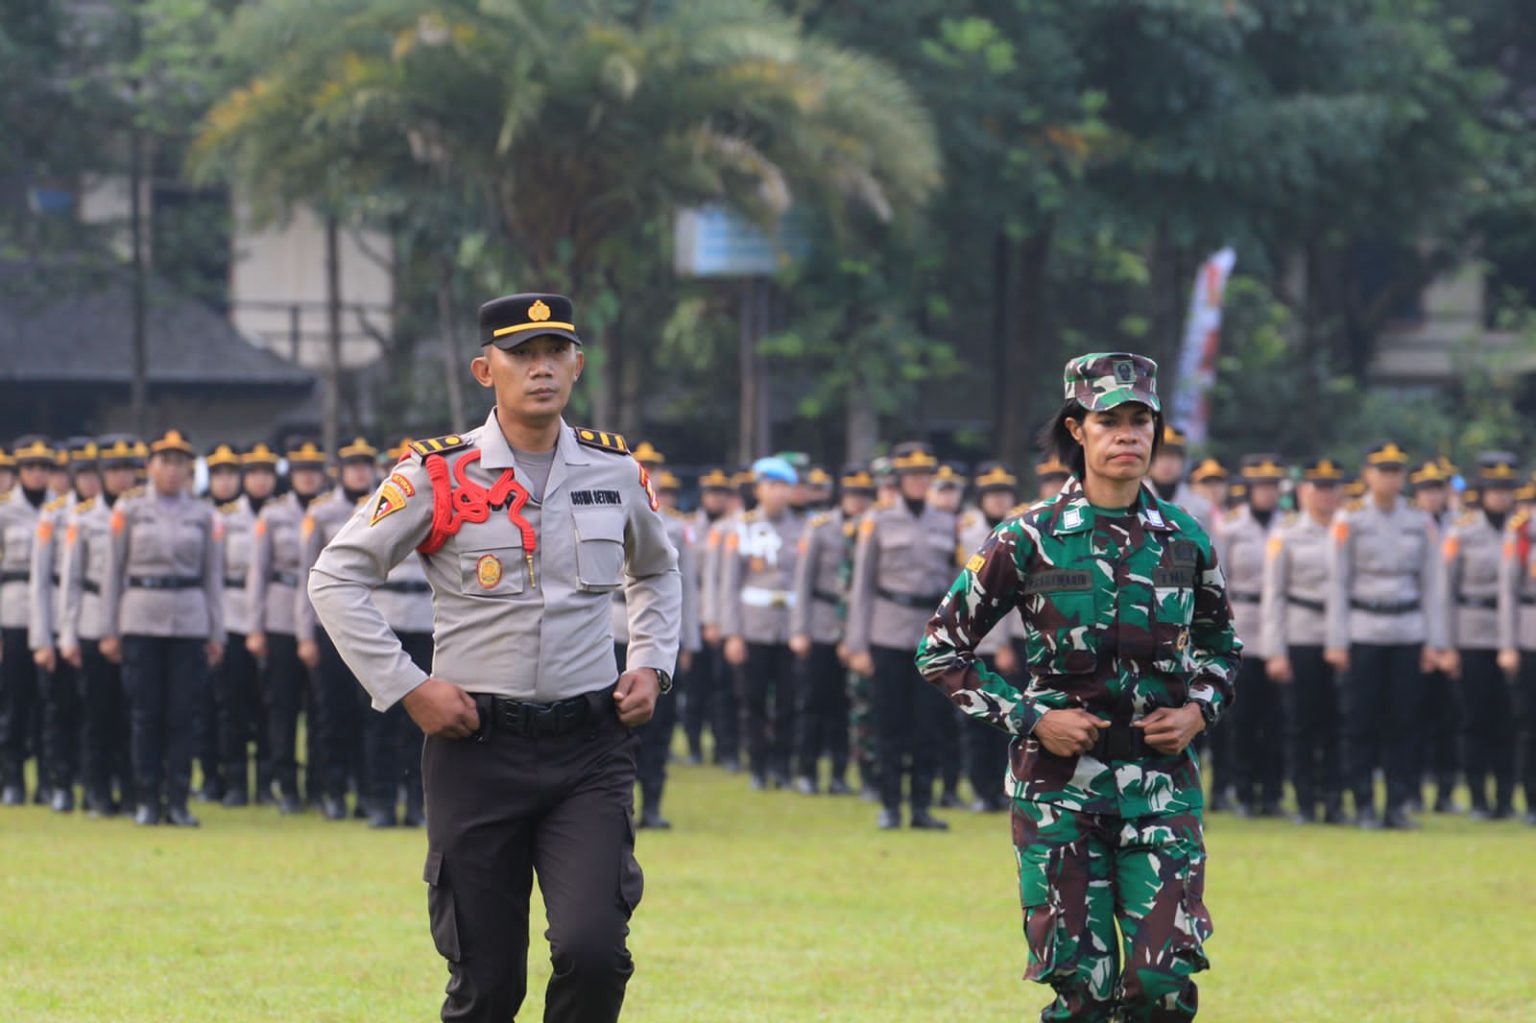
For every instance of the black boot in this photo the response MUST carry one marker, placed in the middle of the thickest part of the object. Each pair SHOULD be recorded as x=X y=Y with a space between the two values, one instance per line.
x=146 y=815
x=181 y=817
x=381 y=817
x=13 y=795
x=415 y=816
x=63 y=800
x=333 y=808
x=925 y=821
x=890 y=819
x=652 y=819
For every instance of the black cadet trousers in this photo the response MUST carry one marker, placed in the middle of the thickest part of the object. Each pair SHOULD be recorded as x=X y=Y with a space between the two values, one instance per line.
x=284 y=679
x=59 y=694
x=986 y=752
x=1490 y=731
x=821 y=712
x=241 y=721
x=504 y=807
x=1525 y=685
x=1313 y=731
x=18 y=701
x=1382 y=702
x=655 y=742
x=716 y=696
x=335 y=723
x=164 y=677
x=1258 y=747
x=105 y=736
x=392 y=742
x=766 y=688
x=908 y=716
x=1442 y=708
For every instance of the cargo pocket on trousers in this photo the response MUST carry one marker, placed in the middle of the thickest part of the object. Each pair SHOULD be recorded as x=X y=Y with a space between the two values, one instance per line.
x=441 y=910
x=631 y=877
x=1192 y=928
x=1042 y=918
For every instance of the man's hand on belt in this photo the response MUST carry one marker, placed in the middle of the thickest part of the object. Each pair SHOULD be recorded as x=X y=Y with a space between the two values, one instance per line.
x=635 y=696
x=1069 y=733
x=442 y=709
x=1169 y=729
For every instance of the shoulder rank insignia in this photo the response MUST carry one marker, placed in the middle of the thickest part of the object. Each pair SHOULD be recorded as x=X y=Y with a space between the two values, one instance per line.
x=818 y=520
x=610 y=442
x=438 y=445
x=230 y=507
x=85 y=506
x=57 y=503
x=137 y=491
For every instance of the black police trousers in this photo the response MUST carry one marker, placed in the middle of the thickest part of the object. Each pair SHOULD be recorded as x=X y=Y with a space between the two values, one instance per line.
x=335 y=723
x=104 y=743
x=59 y=693
x=283 y=682
x=821 y=712
x=766 y=694
x=1313 y=732
x=392 y=742
x=1525 y=688
x=1442 y=706
x=165 y=678
x=241 y=721
x=1258 y=730
x=986 y=753
x=908 y=720
x=655 y=742
x=502 y=807
x=1488 y=715
x=1382 y=702
x=701 y=703
x=18 y=702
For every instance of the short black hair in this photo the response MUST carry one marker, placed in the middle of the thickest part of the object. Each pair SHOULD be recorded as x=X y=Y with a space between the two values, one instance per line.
x=1055 y=439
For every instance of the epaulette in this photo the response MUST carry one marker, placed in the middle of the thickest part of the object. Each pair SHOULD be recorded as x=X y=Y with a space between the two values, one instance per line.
x=1467 y=518
x=57 y=504
x=1355 y=505
x=438 y=445
x=7 y=496
x=673 y=513
x=86 y=505
x=137 y=491
x=818 y=520
x=1520 y=518
x=230 y=507
x=612 y=443
x=1290 y=518
x=1231 y=514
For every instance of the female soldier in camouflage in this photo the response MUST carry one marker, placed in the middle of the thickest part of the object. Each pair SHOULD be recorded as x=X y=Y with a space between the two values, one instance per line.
x=1131 y=653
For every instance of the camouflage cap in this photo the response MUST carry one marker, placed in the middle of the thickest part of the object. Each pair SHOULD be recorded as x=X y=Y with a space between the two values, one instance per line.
x=1103 y=380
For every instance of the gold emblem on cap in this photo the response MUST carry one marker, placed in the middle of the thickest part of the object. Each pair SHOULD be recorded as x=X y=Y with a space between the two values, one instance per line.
x=538 y=312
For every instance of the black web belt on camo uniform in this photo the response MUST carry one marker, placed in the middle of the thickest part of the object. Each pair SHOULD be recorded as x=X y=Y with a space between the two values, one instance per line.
x=909 y=600
x=164 y=582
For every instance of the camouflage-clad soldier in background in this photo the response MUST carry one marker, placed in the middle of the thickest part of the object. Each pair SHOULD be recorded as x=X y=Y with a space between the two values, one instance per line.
x=1131 y=652
x=1295 y=632
x=816 y=633
x=1468 y=607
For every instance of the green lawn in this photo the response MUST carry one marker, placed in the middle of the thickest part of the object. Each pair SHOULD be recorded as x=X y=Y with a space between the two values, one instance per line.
x=758 y=907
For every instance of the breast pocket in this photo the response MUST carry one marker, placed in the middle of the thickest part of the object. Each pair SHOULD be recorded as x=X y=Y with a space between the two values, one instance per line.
x=599 y=549
x=1061 y=613
x=1173 y=610
x=491 y=571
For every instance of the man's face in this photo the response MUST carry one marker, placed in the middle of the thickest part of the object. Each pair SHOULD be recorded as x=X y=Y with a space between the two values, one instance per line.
x=358 y=476
x=224 y=483
x=773 y=496
x=260 y=481
x=533 y=381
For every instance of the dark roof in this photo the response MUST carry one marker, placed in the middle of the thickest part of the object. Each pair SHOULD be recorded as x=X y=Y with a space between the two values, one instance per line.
x=71 y=323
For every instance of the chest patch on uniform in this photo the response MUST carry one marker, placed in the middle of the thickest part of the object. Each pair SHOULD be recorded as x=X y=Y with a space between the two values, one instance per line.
x=1059 y=581
x=1183 y=552
x=488 y=571
x=403 y=484
x=975 y=564
x=1176 y=576
x=587 y=498
x=389 y=501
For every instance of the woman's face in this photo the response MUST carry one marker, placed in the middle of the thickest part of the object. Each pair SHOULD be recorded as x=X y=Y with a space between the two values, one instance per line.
x=1117 y=442
x=1498 y=500
x=169 y=472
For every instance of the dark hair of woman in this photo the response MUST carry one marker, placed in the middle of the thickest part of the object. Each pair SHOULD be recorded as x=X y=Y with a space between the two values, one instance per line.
x=1054 y=437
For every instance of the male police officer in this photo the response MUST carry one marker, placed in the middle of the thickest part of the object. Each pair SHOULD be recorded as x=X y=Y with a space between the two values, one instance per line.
x=527 y=526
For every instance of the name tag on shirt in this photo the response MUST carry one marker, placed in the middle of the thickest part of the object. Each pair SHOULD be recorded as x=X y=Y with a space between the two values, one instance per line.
x=589 y=498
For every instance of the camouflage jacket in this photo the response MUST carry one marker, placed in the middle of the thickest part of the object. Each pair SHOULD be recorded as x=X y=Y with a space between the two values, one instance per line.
x=1122 y=612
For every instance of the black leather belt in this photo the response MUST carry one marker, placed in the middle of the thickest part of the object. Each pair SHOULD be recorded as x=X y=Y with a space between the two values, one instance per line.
x=1528 y=598
x=413 y=586
x=286 y=578
x=908 y=600
x=1244 y=598
x=15 y=577
x=232 y=583
x=1386 y=607
x=1310 y=605
x=538 y=720
x=90 y=586
x=1119 y=742
x=164 y=582
x=829 y=598
x=1481 y=603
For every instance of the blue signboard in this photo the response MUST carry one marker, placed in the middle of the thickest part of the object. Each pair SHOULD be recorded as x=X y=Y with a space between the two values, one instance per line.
x=713 y=241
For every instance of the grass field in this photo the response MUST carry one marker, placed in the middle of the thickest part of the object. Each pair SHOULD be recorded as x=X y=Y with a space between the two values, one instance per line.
x=757 y=907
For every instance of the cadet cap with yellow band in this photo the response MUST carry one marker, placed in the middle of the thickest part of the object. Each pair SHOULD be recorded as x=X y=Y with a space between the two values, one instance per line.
x=509 y=321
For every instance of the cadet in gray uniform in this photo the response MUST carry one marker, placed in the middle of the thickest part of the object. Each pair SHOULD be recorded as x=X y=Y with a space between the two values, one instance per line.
x=1256 y=768
x=242 y=717
x=1167 y=478
x=223 y=464
x=19 y=513
x=656 y=734
x=986 y=748
x=57 y=680
x=816 y=632
x=163 y=597
x=1295 y=632
x=702 y=689
x=725 y=721
x=1517 y=639
x=1438 y=758
x=272 y=594
x=336 y=721
x=7 y=472
x=1468 y=606
x=83 y=550
x=904 y=561
x=1380 y=634
x=526 y=527
x=756 y=593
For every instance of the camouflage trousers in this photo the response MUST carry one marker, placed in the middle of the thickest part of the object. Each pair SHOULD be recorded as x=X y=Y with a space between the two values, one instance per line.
x=861 y=719
x=1082 y=877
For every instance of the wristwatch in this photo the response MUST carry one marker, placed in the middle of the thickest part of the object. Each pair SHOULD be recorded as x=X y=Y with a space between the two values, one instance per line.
x=665 y=680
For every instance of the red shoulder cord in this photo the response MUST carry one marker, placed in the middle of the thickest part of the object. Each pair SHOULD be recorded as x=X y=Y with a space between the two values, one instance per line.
x=453 y=506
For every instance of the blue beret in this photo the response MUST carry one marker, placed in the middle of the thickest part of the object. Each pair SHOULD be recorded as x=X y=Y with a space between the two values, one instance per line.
x=774 y=469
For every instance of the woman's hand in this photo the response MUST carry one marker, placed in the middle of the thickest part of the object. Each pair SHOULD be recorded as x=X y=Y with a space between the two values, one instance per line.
x=1069 y=733
x=1170 y=729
